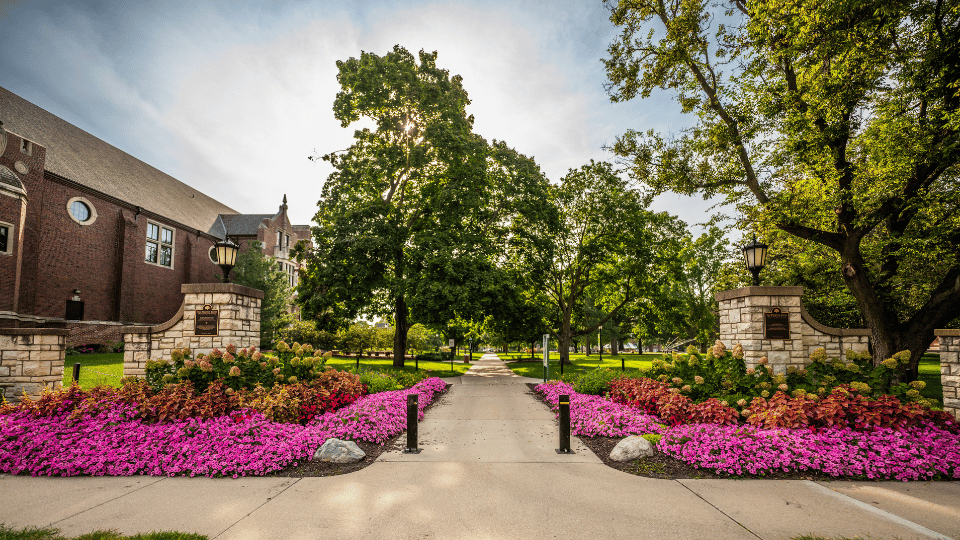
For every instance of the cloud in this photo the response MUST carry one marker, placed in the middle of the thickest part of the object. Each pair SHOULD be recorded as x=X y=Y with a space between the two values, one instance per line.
x=231 y=99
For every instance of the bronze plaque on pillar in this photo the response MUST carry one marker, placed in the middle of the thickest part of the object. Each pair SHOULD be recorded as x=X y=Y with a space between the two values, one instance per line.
x=207 y=322
x=776 y=325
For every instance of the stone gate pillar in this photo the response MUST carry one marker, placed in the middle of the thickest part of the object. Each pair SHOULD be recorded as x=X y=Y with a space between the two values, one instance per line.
x=771 y=322
x=31 y=359
x=950 y=370
x=213 y=315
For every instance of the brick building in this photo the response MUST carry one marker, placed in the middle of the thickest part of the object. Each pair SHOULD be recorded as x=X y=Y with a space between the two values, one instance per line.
x=77 y=214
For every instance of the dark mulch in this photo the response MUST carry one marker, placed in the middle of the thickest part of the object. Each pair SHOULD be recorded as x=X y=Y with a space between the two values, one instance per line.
x=663 y=466
x=372 y=451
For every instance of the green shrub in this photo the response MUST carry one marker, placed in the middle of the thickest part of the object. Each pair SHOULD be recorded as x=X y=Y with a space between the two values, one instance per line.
x=382 y=381
x=435 y=356
x=654 y=438
x=239 y=369
x=723 y=374
x=595 y=382
x=306 y=332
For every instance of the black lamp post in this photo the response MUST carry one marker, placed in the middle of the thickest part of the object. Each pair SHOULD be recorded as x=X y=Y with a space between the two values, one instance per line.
x=471 y=349
x=755 y=255
x=226 y=257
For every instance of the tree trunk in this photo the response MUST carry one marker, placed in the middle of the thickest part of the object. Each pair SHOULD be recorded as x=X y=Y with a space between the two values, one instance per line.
x=564 y=339
x=614 y=346
x=400 y=336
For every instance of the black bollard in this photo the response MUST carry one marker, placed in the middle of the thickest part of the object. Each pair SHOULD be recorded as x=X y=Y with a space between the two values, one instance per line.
x=76 y=372
x=565 y=426
x=411 y=448
x=623 y=365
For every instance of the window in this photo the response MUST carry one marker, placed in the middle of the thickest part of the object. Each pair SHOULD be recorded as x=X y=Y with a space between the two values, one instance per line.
x=82 y=211
x=279 y=237
x=6 y=239
x=26 y=147
x=159 y=245
x=291 y=271
x=287 y=241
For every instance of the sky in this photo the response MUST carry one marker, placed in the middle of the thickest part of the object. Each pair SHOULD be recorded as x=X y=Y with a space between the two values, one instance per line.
x=232 y=98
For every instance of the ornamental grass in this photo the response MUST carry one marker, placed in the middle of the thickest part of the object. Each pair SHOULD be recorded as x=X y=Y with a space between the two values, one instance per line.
x=115 y=440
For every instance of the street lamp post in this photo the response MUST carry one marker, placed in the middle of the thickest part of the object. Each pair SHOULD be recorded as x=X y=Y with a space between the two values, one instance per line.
x=755 y=255
x=600 y=342
x=470 y=342
x=226 y=252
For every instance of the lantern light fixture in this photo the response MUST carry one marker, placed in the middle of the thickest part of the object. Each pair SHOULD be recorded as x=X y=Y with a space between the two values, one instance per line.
x=226 y=256
x=755 y=257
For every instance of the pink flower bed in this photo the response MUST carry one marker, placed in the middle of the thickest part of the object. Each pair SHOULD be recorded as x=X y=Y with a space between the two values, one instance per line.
x=593 y=416
x=915 y=453
x=909 y=454
x=114 y=443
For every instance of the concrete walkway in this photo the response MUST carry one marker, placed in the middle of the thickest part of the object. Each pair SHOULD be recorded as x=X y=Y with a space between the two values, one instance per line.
x=488 y=470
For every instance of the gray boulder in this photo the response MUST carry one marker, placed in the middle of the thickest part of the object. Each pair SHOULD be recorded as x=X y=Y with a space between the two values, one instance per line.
x=337 y=451
x=632 y=447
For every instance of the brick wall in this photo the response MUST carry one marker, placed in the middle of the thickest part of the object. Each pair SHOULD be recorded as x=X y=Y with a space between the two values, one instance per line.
x=31 y=359
x=239 y=324
x=742 y=313
x=94 y=333
x=950 y=370
x=13 y=210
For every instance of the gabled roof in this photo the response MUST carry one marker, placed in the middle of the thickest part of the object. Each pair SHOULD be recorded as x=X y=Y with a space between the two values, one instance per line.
x=243 y=224
x=79 y=156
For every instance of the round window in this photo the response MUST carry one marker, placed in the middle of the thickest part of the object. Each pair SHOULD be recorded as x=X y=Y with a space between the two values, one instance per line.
x=80 y=211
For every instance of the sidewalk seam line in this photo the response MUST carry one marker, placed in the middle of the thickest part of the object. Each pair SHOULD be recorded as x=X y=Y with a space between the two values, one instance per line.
x=880 y=512
x=110 y=501
x=717 y=509
x=232 y=525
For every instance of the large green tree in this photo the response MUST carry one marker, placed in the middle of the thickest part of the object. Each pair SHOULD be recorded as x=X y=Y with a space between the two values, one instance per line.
x=605 y=247
x=411 y=219
x=258 y=271
x=835 y=122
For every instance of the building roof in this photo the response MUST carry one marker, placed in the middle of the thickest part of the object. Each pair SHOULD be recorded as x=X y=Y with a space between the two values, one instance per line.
x=79 y=156
x=243 y=224
x=10 y=178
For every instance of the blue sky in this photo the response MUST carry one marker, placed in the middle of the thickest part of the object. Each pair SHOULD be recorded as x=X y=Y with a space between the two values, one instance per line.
x=231 y=98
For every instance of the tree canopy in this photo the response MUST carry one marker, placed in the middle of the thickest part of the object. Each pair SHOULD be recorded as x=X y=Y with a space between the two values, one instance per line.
x=605 y=247
x=836 y=123
x=258 y=271
x=412 y=220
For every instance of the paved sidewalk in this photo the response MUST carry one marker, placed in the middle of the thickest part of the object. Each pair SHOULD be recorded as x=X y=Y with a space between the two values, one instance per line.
x=488 y=470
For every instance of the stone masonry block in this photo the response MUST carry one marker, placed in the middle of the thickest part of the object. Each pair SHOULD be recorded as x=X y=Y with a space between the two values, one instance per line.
x=36 y=368
x=762 y=301
x=47 y=356
x=789 y=301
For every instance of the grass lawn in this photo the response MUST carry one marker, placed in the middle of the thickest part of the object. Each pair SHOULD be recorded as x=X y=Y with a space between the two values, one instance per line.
x=583 y=363
x=95 y=369
x=49 y=533
x=517 y=356
x=438 y=369
x=929 y=372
